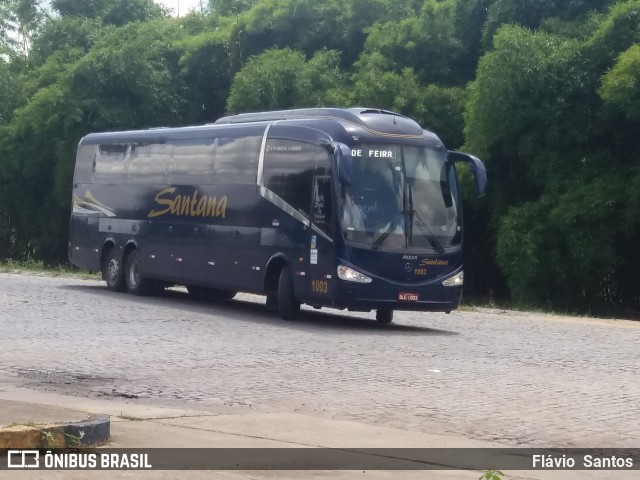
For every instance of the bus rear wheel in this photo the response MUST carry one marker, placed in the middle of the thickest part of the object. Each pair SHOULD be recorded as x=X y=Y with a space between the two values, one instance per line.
x=112 y=271
x=136 y=283
x=384 y=315
x=287 y=305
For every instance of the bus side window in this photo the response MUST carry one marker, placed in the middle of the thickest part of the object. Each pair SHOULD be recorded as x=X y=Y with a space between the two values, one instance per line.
x=300 y=174
x=288 y=172
x=85 y=163
x=236 y=159
x=149 y=163
x=111 y=163
x=192 y=161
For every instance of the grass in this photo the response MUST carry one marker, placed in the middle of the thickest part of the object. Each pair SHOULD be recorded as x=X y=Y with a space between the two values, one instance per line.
x=131 y=418
x=22 y=424
x=37 y=266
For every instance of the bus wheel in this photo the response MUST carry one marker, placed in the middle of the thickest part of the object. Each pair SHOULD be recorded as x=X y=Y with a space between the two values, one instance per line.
x=384 y=315
x=272 y=302
x=112 y=271
x=287 y=305
x=136 y=283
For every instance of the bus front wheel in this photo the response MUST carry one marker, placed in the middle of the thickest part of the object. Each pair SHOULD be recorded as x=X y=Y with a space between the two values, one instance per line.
x=136 y=283
x=384 y=315
x=287 y=305
x=112 y=271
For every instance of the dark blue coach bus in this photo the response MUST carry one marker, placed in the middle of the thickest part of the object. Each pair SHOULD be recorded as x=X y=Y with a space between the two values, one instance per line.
x=353 y=209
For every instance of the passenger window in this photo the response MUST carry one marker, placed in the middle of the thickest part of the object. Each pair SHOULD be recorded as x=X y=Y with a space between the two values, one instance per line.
x=299 y=173
x=111 y=163
x=236 y=159
x=192 y=162
x=149 y=163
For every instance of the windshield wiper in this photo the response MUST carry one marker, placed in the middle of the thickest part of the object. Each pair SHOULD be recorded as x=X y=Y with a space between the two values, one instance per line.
x=426 y=231
x=387 y=232
x=414 y=217
x=410 y=217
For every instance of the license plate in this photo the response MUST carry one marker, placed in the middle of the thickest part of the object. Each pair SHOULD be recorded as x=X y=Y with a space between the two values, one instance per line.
x=407 y=297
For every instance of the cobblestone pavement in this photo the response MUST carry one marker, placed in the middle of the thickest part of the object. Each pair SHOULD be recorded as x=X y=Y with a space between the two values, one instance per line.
x=521 y=379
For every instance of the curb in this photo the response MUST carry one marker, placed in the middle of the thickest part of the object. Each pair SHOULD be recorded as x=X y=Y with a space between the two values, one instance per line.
x=95 y=430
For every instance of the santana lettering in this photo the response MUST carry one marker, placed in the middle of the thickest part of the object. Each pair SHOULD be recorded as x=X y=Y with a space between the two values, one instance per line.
x=189 y=205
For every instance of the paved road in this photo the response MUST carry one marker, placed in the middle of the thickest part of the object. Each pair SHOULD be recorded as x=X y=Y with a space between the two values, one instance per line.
x=520 y=379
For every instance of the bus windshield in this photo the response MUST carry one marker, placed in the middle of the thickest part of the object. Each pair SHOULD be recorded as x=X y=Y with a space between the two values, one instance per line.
x=401 y=198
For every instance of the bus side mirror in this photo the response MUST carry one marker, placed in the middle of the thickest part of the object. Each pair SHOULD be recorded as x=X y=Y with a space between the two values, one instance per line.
x=344 y=163
x=477 y=168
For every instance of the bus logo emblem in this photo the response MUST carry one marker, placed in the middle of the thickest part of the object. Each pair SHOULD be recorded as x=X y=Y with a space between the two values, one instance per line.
x=23 y=459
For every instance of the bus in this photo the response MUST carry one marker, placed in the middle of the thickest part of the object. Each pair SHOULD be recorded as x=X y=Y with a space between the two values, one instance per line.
x=354 y=209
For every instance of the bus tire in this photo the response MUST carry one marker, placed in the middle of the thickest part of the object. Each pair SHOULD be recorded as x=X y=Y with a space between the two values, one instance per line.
x=384 y=315
x=112 y=271
x=136 y=283
x=272 y=302
x=287 y=305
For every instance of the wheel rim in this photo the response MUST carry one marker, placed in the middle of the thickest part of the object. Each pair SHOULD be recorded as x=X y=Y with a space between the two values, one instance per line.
x=113 y=269
x=134 y=273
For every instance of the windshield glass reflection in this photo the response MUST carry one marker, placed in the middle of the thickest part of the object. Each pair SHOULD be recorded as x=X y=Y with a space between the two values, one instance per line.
x=401 y=198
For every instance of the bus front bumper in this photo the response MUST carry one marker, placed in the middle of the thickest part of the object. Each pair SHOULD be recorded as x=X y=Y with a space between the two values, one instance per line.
x=411 y=297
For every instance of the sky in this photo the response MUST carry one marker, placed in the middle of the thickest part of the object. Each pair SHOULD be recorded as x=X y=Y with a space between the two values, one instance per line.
x=183 y=5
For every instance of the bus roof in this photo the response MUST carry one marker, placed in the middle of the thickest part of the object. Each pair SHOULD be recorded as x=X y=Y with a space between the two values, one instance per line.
x=376 y=121
x=353 y=122
x=164 y=133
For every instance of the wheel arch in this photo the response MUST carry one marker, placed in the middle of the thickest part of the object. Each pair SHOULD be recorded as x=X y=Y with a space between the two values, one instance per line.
x=110 y=243
x=129 y=247
x=272 y=273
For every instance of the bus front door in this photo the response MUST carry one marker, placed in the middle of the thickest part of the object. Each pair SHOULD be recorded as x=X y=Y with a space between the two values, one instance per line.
x=320 y=272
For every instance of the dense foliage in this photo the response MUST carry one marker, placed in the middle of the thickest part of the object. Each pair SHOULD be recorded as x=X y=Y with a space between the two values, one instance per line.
x=547 y=93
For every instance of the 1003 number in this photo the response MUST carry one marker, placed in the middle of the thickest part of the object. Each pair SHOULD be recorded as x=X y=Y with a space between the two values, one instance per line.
x=320 y=286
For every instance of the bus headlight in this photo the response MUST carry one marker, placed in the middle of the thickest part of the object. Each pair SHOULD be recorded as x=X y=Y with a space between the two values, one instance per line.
x=456 y=281
x=350 y=275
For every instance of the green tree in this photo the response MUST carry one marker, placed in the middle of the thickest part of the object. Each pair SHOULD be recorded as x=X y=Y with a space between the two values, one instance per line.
x=425 y=44
x=440 y=41
x=64 y=35
x=230 y=7
x=621 y=85
x=8 y=89
x=532 y=14
x=285 y=79
x=113 y=12
x=308 y=26
x=126 y=80
x=20 y=20
x=206 y=74
x=560 y=160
